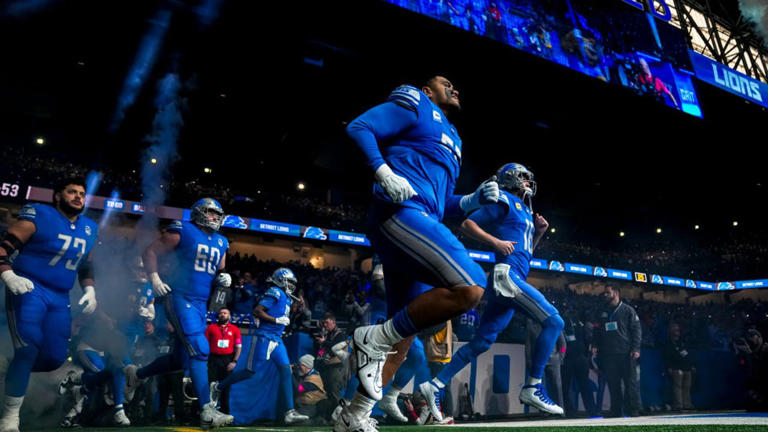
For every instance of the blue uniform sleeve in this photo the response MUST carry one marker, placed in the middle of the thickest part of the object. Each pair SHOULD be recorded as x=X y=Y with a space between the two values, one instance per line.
x=380 y=123
x=268 y=302
x=271 y=297
x=175 y=226
x=452 y=207
x=489 y=214
x=28 y=213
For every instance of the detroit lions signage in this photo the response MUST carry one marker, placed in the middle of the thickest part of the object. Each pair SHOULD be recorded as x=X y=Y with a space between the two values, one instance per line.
x=729 y=80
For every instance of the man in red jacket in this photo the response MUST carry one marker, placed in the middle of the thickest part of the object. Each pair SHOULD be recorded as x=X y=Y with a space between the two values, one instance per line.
x=226 y=343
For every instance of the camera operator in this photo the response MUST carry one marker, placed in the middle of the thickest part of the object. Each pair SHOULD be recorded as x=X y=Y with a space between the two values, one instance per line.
x=308 y=388
x=329 y=363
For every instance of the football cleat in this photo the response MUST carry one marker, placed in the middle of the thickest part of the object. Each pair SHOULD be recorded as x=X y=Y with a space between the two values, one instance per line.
x=292 y=416
x=72 y=379
x=210 y=417
x=389 y=406
x=535 y=396
x=120 y=419
x=132 y=381
x=431 y=394
x=349 y=423
x=369 y=358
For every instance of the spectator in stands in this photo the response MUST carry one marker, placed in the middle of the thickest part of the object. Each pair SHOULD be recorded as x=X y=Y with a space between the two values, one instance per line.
x=328 y=344
x=245 y=295
x=309 y=390
x=358 y=309
x=225 y=342
x=617 y=345
x=301 y=316
x=679 y=364
x=753 y=353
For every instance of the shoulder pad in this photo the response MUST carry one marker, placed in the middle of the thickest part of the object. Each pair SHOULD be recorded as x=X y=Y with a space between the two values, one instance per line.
x=274 y=292
x=406 y=96
x=176 y=226
x=28 y=212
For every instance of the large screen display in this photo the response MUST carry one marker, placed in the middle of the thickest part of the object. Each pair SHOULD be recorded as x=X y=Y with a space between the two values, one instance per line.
x=607 y=39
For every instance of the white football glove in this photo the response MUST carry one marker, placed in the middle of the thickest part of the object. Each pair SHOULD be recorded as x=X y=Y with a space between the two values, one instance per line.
x=17 y=284
x=486 y=193
x=147 y=311
x=284 y=320
x=395 y=186
x=89 y=299
x=223 y=280
x=159 y=287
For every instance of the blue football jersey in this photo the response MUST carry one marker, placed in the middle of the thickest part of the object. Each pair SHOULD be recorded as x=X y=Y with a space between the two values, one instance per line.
x=277 y=304
x=197 y=258
x=54 y=252
x=428 y=153
x=510 y=220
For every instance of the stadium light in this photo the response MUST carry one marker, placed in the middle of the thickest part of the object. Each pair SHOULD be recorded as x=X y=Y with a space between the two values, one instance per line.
x=301 y=186
x=696 y=227
x=40 y=141
x=621 y=234
x=207 y=170
x=658 y=230
x=552 y=230
x=153 y=160
x=735 y=223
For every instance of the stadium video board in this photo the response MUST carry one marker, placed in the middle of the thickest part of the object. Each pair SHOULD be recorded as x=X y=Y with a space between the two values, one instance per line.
x=616 y=41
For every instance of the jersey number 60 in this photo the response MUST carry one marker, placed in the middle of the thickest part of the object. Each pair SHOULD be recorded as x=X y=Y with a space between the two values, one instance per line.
x=207 y=259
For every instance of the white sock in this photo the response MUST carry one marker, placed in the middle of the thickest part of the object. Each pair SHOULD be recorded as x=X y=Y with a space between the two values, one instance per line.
x=385 y=334
x=533 y=381
x=360 y=406
x=391 y=394
x=12 y=405
x=438 y=383
x=118 y=407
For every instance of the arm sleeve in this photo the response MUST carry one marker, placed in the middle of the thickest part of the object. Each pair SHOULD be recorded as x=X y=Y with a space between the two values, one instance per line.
x=268 y=301
x=488 y=214
x=238 y=337
x=28 y=213
x=379 y=123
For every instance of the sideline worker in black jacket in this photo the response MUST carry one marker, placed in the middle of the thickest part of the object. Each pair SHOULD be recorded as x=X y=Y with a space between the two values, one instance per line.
x=617 y=345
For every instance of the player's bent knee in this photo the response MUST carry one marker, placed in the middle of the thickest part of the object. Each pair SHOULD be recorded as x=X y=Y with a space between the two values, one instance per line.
x=555 y=322
x=470 y=296
x=48 y=362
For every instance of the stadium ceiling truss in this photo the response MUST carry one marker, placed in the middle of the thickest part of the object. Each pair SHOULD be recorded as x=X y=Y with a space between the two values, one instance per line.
x=722 y=34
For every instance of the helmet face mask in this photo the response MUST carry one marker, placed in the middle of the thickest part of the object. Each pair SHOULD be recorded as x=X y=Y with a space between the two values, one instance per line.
x=284 y=279
x=512 y=178
x=201 y=210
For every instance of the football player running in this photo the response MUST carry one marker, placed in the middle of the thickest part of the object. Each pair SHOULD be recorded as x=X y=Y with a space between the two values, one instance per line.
x=415 y=153
x=199 y=255
x=53 y=244
x=511 y=228
x=272 y=315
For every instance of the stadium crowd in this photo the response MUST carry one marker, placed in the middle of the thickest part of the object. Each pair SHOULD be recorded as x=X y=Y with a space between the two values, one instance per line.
x=707 y=257
x=330 y=305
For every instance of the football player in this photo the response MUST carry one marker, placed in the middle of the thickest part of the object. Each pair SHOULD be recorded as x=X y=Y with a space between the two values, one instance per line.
x=272 y=315
x=415 y=154
x=199 y=255
x=511 y=228
x=51 y=245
